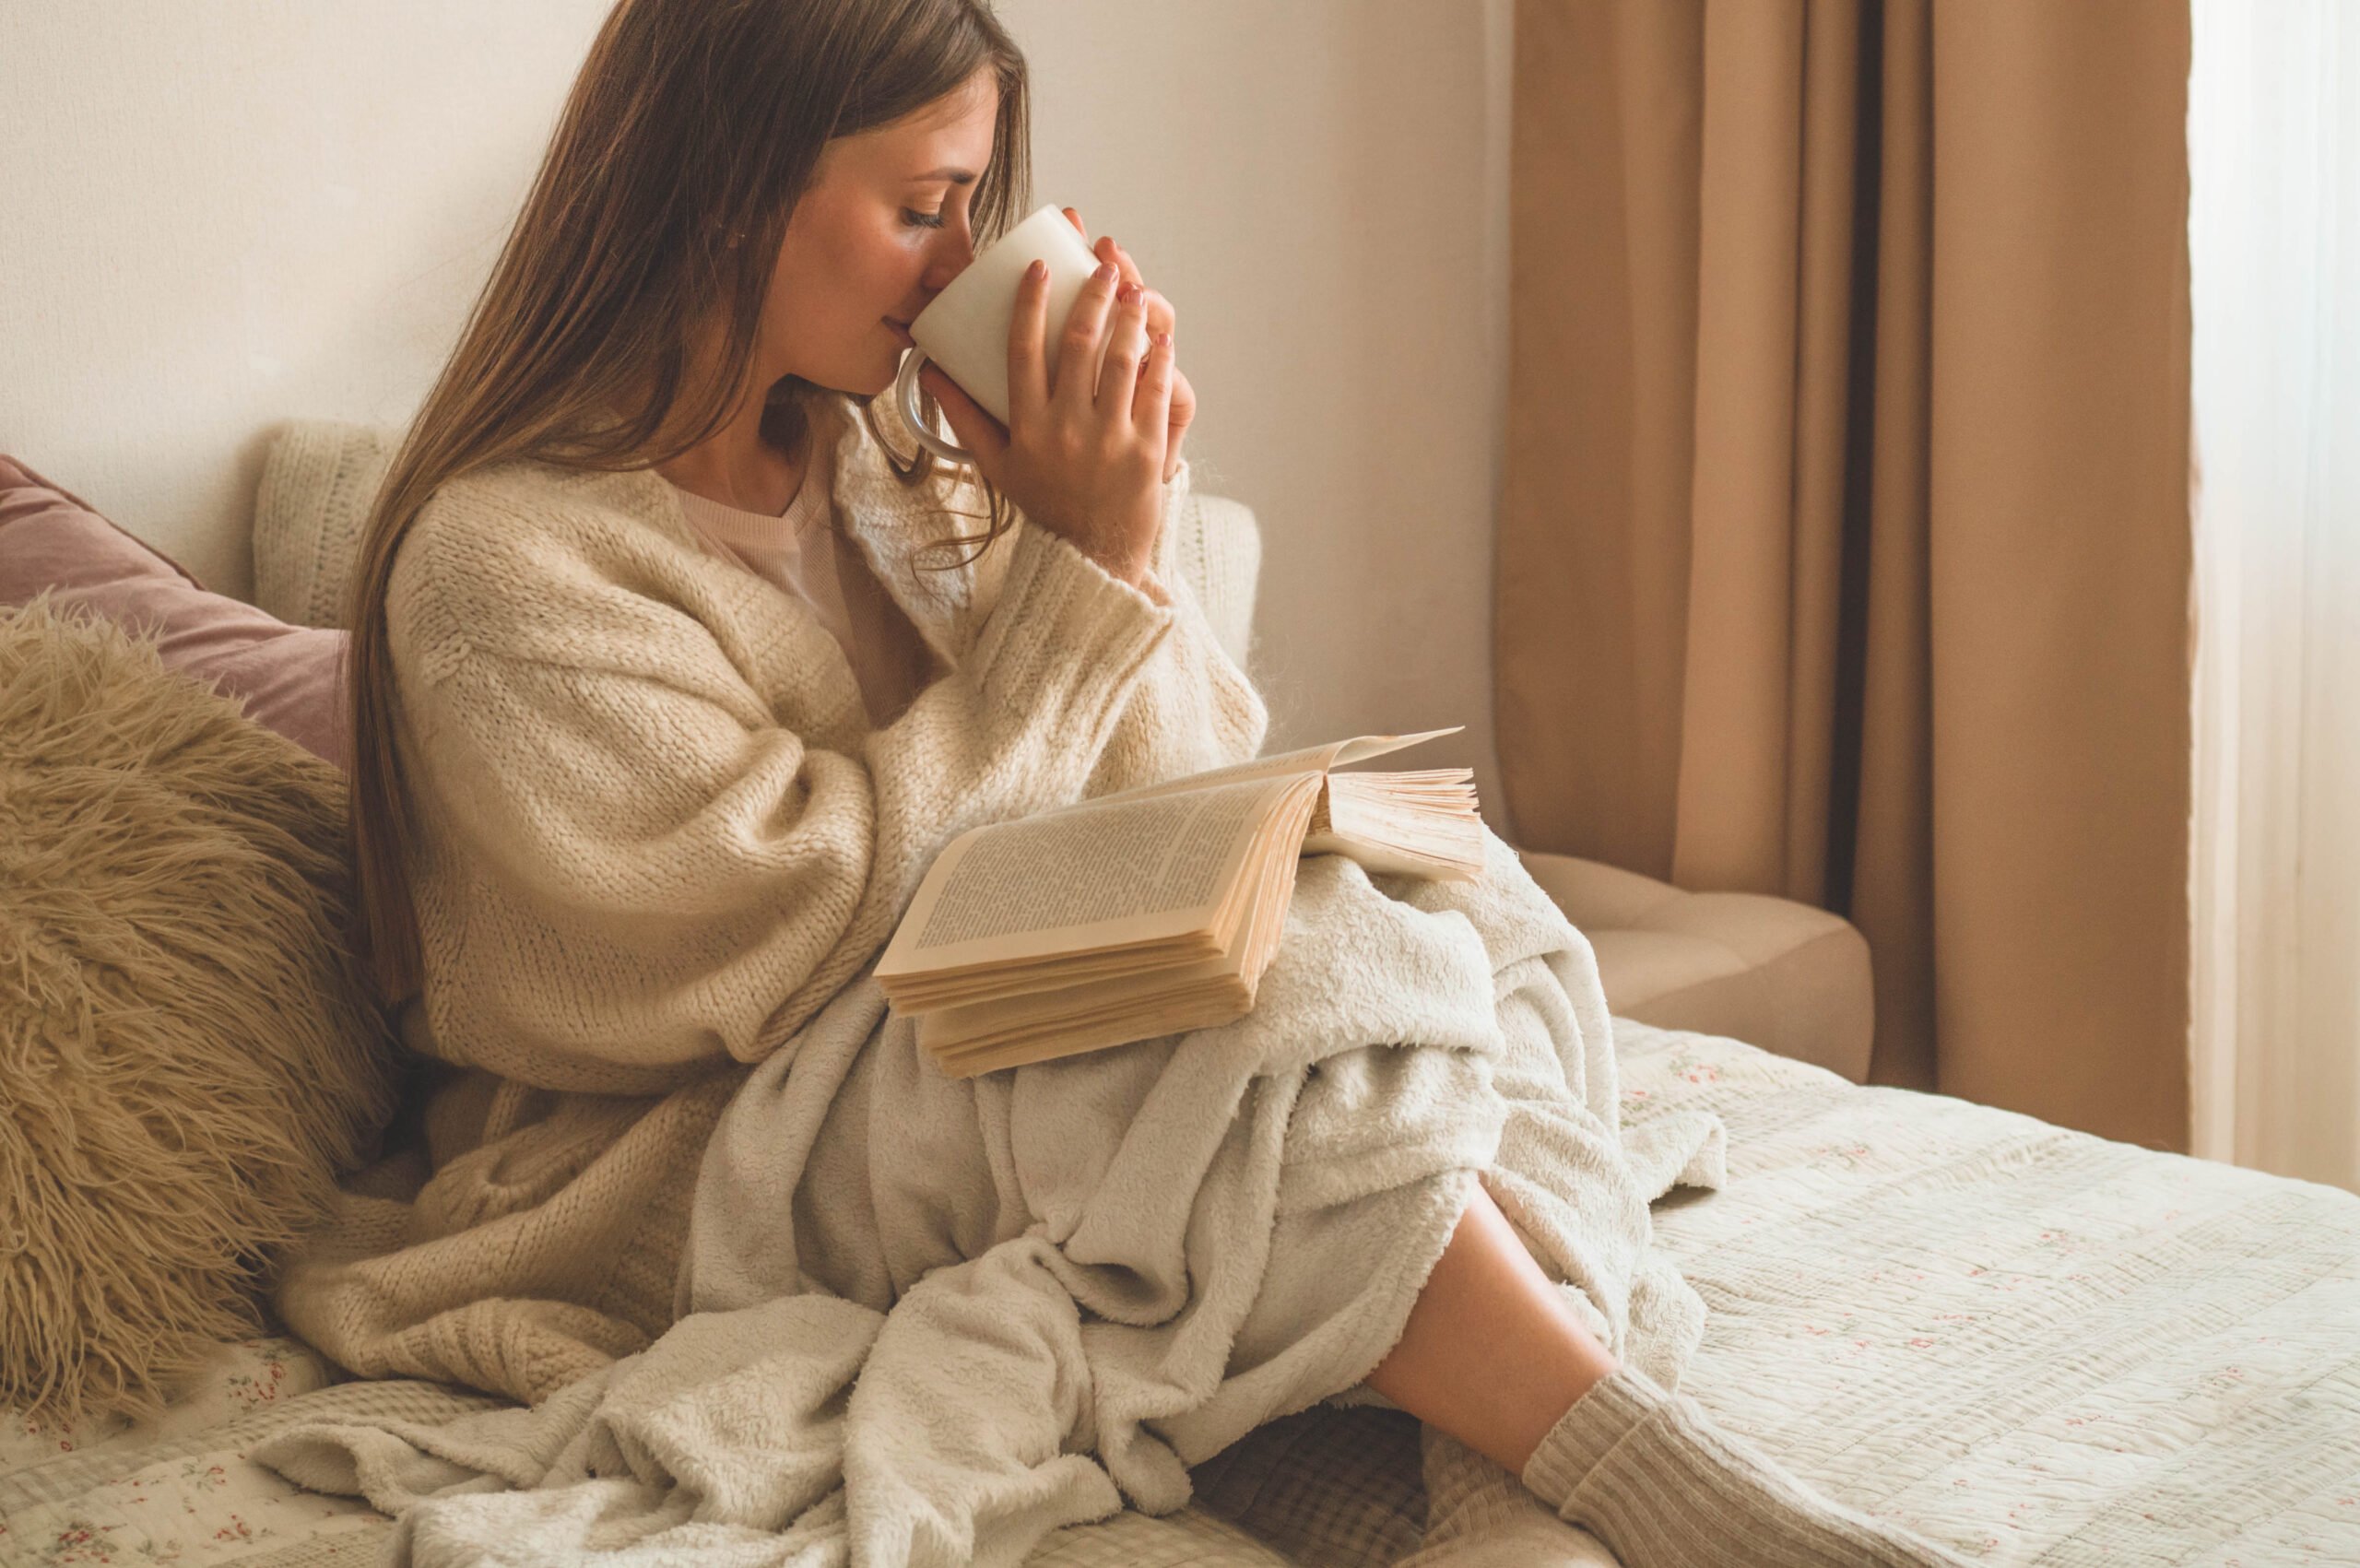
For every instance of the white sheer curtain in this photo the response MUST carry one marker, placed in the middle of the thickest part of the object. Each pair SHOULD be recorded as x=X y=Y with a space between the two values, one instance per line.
x=2274 y=247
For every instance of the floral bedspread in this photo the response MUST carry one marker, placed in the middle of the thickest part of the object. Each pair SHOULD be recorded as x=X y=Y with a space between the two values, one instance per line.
x=177 y=1488
x=2032 y=1345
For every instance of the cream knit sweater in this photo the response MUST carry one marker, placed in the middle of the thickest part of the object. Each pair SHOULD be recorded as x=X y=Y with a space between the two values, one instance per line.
x=658 y=834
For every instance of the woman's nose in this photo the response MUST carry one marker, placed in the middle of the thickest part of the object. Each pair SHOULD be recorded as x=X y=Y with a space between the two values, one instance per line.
x=952 y=253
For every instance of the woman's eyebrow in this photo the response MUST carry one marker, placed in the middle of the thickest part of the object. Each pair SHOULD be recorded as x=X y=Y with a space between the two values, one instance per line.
x=955 y=175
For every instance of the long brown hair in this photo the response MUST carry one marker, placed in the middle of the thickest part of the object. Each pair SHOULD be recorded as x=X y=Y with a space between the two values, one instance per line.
x=691 y=131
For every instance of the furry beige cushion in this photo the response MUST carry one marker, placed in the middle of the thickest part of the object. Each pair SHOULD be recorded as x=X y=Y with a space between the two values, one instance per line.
x=188 y=1054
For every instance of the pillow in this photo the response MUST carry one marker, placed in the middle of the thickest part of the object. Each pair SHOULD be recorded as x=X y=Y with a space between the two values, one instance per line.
x=189 y=1052
x=319 y=478
x=51 y=538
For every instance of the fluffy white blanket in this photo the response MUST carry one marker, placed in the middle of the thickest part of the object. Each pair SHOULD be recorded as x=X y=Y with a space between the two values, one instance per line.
x=928 y=1321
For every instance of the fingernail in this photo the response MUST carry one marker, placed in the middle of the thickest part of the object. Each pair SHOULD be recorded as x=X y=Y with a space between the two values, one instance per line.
x=1038 y=270
x=1128 y=292
x=1105 y=273
x=1162 y=338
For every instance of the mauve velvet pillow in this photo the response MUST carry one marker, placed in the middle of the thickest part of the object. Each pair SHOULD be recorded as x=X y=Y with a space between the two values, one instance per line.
x=52 y=538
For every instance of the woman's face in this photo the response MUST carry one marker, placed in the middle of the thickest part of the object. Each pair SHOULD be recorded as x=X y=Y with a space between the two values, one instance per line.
x=882 y=229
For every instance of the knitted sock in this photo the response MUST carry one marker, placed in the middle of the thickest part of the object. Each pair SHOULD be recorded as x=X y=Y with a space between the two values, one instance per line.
x=1480 y=1516
x=1666 y=1486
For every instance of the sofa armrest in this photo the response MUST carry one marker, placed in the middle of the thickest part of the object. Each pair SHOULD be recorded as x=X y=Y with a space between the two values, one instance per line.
x=1770 y=971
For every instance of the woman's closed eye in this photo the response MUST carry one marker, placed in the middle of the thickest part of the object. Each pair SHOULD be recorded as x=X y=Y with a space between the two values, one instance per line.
x=916 y=220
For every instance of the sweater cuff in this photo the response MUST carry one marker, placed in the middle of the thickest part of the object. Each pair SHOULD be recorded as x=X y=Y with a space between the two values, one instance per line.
x=1165 y=565
x=1063 y=619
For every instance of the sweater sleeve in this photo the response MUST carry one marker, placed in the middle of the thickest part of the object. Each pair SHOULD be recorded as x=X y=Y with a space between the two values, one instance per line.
x=1192 y=708
x=631 y=867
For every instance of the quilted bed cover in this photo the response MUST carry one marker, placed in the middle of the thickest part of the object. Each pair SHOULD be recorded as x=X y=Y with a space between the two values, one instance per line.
x=2030 y=1344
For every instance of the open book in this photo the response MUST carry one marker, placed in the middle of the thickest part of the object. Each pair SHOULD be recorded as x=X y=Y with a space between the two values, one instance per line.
x=1141 y=913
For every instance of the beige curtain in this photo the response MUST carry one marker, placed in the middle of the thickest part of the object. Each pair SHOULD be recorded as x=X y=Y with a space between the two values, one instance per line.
x=1845 y=548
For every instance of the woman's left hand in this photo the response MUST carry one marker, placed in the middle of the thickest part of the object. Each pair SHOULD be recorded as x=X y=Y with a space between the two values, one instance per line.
x=1160 y=318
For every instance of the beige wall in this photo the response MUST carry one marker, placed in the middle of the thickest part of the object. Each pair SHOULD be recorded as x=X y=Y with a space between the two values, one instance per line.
x=228 y=214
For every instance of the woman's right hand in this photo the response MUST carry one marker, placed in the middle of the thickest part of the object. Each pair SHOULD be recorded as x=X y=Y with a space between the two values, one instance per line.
x=1083 y=456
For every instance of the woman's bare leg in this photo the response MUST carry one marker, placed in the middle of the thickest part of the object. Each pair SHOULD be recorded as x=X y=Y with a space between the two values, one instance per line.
x=1494 y=1357
x=1492 y=1354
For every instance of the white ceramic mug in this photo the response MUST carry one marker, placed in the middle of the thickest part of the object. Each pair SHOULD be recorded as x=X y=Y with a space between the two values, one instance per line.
x=965 y=328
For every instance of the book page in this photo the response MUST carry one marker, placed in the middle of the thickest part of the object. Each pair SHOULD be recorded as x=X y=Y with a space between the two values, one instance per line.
x=1310 y=760
x=1425 y=824
x=1110 y=870
x=950 y=1028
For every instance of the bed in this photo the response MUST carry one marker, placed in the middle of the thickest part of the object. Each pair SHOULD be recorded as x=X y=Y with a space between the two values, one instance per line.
x=2025 y=1342
x=2032 y=1345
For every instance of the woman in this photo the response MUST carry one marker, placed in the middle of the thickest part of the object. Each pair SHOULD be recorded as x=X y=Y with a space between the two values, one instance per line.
x=669 y=675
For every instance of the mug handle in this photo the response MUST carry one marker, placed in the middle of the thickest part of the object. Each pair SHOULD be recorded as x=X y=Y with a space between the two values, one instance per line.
x=905 y=389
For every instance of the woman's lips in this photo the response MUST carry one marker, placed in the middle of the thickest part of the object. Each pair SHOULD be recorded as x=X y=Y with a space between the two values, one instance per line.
x=901 y=331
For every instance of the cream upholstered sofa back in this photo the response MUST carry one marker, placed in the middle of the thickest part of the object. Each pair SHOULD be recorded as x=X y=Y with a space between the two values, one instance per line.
x=320 y=476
